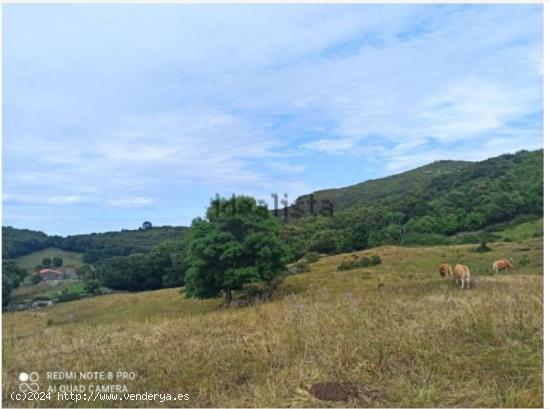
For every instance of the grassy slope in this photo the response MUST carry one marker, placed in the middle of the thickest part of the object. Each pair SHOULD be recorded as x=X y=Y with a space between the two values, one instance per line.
x=414 y=341
x=70 y=258
x=523 y=231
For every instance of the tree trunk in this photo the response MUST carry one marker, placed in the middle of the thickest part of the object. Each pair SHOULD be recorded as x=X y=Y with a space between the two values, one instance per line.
x=228 y=296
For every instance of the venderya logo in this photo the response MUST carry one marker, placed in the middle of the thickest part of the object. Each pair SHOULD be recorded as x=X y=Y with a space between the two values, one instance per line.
x=29 y=382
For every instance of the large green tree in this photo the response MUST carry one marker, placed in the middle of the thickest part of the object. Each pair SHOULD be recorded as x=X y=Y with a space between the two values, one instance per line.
x=12 y=277
x=236 y=244
x=57 y=261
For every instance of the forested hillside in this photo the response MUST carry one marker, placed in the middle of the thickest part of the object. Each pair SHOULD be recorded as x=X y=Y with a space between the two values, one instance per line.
x=95 y=246
x=423 y=206
x=388 y=188
x=16 y=242
x=98 y=246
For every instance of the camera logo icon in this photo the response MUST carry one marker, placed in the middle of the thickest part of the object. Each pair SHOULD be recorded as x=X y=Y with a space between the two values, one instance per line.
x=28 y=382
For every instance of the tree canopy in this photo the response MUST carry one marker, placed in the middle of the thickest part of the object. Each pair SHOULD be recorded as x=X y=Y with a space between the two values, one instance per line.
x=12 y=277
x=236 y=244
x=57 y=261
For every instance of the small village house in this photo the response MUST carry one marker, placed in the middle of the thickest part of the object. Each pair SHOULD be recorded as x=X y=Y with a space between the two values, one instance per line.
x=50 y=274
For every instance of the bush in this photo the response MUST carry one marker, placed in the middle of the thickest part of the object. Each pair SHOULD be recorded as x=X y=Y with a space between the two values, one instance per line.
x=57 y=261
x=67 y=295
x=482 y=248
x=41 y=298
x=36 y=278
x=362 y=262
x=375 y=260
x=312 y=257
x=324 y=241
x=92 y=286
x=302 y=267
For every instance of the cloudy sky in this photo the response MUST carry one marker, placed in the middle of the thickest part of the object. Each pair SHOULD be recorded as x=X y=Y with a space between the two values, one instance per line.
x=116 y=114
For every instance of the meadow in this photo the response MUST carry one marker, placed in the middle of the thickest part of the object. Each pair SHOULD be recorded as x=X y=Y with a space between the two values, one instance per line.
x=390 y=335
x=30 y=261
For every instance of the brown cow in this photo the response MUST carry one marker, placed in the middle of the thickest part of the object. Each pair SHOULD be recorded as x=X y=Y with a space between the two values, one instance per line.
x=503 y=264
x=445 y=270
x=462 y=274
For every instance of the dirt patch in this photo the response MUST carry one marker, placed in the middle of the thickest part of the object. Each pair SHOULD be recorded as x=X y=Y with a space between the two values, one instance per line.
x=334 y=391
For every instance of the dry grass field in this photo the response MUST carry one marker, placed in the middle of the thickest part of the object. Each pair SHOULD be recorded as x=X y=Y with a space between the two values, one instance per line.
x=392 y=335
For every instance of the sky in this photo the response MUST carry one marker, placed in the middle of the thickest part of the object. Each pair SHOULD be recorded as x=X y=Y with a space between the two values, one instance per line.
x=115 y=114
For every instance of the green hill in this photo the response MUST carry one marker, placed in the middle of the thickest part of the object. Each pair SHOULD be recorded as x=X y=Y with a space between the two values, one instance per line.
x=388 y=188
x=70 y=258
x=423 y=206
x=98 y=246
x=94 y=246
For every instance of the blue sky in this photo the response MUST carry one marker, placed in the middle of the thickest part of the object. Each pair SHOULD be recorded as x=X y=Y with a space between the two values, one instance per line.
x=116 y=114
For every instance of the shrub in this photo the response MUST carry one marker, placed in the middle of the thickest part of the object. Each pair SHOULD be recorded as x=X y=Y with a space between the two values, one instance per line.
x=36 y=278
x=362 y=262
x=92 y=286
x=324 y=241
x=375 y=260
x=482 y=248
x=312 y=257
x=57 y=261
x=67 y=295
x=302 y=267
x=41 y=298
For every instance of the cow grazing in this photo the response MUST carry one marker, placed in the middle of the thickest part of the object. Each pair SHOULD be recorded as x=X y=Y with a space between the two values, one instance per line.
x=503 y=264
x=445 y=270
x=462 y=274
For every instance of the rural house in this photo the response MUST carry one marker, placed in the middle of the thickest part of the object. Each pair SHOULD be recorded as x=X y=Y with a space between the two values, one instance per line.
x=50 y=274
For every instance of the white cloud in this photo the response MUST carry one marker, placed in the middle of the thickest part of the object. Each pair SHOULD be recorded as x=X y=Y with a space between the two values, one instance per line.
x=331 y=146
x=473 y=108
x=131 y=202
x=56 y=200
